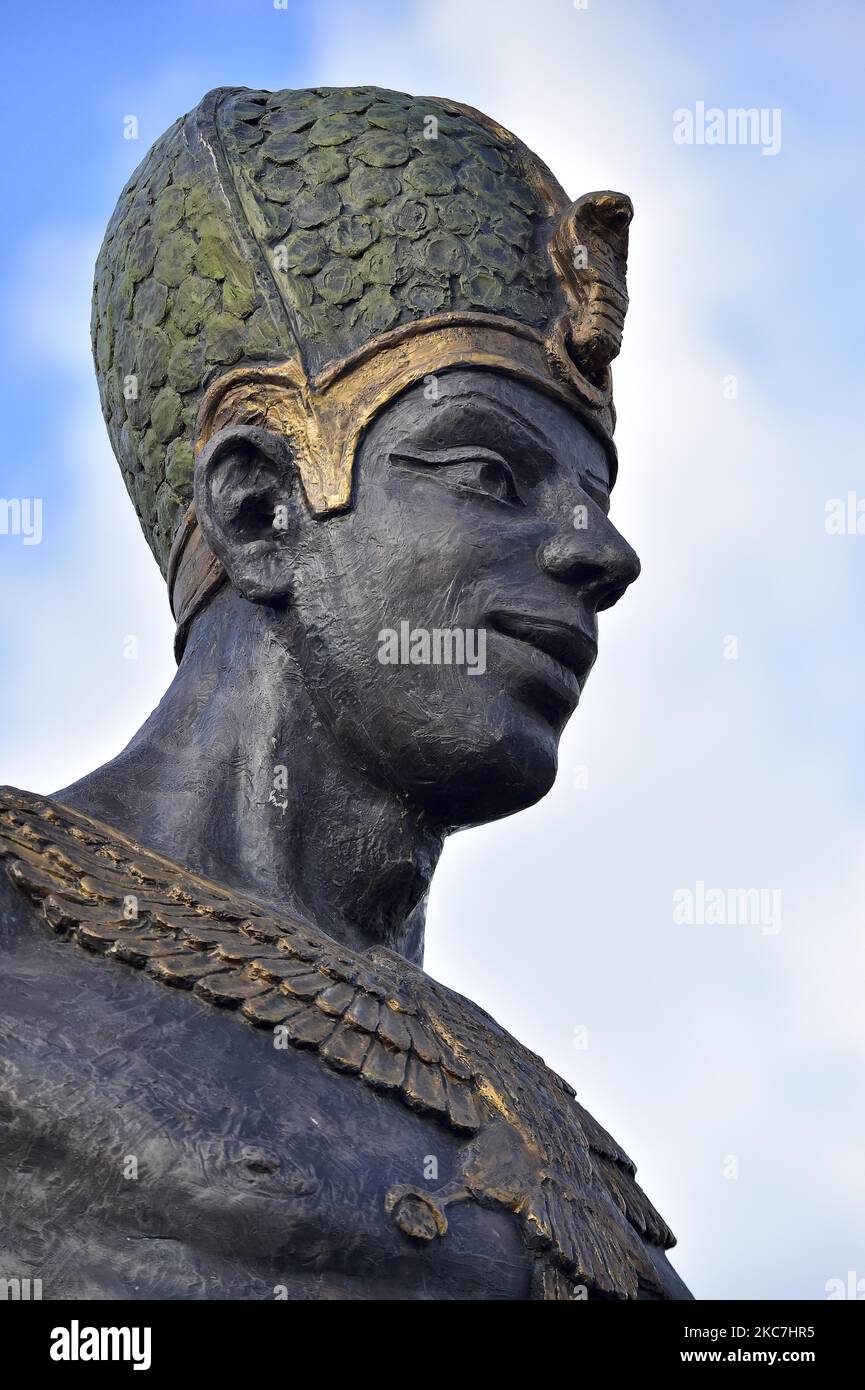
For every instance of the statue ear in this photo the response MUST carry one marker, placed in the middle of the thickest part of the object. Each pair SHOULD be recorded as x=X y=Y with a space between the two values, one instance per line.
x=250 y=506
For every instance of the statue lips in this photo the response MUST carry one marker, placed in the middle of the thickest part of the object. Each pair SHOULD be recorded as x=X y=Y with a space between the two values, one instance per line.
x=572 y=652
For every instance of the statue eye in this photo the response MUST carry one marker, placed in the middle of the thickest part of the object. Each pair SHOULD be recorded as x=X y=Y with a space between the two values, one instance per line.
x=478 y=471
x=491 y=477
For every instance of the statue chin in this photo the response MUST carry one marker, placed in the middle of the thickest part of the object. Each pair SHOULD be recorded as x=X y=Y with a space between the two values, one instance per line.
x=504 y=786
x=475 y=780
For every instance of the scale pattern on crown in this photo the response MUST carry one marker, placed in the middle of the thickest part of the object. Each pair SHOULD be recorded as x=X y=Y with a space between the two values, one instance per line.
x=299 y=223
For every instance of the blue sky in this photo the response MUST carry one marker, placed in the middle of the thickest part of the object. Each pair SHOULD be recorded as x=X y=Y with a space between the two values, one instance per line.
x=705 y=1042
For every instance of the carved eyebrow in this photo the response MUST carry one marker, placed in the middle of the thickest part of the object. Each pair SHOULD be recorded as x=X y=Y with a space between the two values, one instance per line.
x=455 y=453
x=506 y=436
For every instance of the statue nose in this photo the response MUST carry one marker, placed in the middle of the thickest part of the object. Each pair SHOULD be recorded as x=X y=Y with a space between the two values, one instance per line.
x=604 y=566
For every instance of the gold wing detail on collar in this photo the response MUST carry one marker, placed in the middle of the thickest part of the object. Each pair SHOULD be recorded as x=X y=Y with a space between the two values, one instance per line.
x=529 y=1146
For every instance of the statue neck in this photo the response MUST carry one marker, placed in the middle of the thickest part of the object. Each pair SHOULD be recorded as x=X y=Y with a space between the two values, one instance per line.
x=235 y=777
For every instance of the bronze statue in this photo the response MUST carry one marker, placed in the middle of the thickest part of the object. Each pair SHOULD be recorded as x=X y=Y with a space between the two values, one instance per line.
x=354 y=353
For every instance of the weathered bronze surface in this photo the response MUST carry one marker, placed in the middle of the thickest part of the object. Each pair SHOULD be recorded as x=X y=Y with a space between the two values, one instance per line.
x=386 y=344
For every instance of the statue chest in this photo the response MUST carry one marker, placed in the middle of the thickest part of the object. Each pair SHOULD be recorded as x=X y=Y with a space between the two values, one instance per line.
x=181 y=1155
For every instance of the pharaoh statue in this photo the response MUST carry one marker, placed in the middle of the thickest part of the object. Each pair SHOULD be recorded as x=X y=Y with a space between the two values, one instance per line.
x=353 y=351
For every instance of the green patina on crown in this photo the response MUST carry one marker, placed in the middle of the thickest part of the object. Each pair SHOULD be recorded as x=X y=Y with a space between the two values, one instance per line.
x=298 y=224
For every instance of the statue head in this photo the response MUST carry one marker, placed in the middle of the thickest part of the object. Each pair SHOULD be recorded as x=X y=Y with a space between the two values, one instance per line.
x=354 y=354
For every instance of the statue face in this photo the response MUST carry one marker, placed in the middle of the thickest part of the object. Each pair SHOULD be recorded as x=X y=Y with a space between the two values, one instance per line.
x=445 y=625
